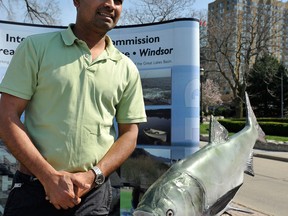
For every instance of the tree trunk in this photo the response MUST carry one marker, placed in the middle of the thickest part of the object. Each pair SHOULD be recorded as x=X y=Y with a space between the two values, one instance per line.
x=238 y=107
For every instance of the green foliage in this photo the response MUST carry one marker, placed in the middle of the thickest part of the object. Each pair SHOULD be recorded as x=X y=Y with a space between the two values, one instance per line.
x=264 y=86
x=270 y=128
x=274 y=128
x=232 y=126
x=279 y=120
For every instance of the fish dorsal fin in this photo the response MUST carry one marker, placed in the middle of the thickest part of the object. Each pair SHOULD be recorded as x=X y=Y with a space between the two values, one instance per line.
x=217 y=132
x=249 y=165
x=250 y=113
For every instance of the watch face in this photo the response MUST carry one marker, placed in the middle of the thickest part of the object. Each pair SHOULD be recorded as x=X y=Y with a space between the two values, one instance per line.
x=100 y=179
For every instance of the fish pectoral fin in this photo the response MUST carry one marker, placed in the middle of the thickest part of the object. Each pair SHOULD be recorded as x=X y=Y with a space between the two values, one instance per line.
x=221 y=204
x=249 y=166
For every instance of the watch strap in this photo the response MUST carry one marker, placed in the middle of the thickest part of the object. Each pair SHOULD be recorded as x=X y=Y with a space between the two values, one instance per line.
x=99 y=177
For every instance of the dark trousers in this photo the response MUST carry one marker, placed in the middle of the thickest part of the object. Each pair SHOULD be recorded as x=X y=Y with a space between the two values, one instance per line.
x=27 y=197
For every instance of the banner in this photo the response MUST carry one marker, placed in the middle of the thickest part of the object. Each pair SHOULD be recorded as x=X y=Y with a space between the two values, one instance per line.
x=168 y=58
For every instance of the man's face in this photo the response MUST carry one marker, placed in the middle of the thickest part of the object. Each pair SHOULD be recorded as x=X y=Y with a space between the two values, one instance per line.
x=102 y=14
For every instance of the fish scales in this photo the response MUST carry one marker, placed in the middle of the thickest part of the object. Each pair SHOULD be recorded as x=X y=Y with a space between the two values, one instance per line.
x=204 y=183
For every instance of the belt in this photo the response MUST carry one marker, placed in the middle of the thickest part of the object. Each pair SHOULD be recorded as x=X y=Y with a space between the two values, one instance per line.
x=25 y=177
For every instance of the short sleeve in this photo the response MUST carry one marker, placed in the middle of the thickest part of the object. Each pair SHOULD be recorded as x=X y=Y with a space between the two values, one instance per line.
x=131 y=107
x=20 y=79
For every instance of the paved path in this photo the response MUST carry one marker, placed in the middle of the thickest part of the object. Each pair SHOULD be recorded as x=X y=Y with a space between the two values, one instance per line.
x=246 y=211
x=272 y=155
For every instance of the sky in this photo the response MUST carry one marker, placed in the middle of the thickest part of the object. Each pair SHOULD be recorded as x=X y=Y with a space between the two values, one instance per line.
x=69 y=13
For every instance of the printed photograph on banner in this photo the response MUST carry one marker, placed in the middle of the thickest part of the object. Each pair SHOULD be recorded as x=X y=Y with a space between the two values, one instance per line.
x=157 y=129
x=8 y=167
x=156 y=86
x=138 y=173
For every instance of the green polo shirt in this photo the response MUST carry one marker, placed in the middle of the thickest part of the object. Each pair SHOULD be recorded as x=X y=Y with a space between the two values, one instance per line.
x=73 y=100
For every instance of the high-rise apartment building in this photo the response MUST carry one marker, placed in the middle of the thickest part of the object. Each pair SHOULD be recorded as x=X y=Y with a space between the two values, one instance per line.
x=266 y=20
x=238 y=32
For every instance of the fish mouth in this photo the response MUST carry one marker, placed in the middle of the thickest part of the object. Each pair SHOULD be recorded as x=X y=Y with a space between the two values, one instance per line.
x=142 y=213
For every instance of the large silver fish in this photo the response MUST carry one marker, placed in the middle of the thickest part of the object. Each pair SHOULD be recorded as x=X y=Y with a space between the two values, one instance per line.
x=204 y=183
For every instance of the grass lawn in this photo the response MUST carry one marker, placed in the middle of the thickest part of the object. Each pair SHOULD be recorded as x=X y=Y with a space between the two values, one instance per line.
x=277 y=138
x=125 y=199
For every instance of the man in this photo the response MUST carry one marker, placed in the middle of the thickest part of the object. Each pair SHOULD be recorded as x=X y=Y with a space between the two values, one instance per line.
x=71 y=85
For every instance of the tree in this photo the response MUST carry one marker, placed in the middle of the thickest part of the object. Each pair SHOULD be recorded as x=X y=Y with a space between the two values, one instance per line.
x=211 y=94
x=151 y=11
x=264 y=86
x=282 y=76
x=234 y=43
x=41 y=12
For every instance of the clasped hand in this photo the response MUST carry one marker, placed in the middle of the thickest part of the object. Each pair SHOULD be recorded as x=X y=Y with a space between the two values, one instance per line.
x=64 y=190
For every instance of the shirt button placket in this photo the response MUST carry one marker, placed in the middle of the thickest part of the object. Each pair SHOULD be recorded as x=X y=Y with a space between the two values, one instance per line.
x=87 y=59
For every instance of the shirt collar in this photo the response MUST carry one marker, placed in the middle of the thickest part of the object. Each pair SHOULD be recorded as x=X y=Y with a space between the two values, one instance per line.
x=112 y=52
x=68 y=36
x=69 y=39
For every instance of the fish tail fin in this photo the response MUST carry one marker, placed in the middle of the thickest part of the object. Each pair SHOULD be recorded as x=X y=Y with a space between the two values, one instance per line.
x=253 y=121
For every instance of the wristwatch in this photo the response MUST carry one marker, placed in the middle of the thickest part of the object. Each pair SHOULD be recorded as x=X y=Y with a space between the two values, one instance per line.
x=99 y=177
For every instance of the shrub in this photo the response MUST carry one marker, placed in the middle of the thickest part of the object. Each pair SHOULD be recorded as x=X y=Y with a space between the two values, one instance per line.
x=269 y=127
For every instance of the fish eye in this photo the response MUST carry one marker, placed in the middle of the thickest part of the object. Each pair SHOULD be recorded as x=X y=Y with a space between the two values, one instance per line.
x=170 y=212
